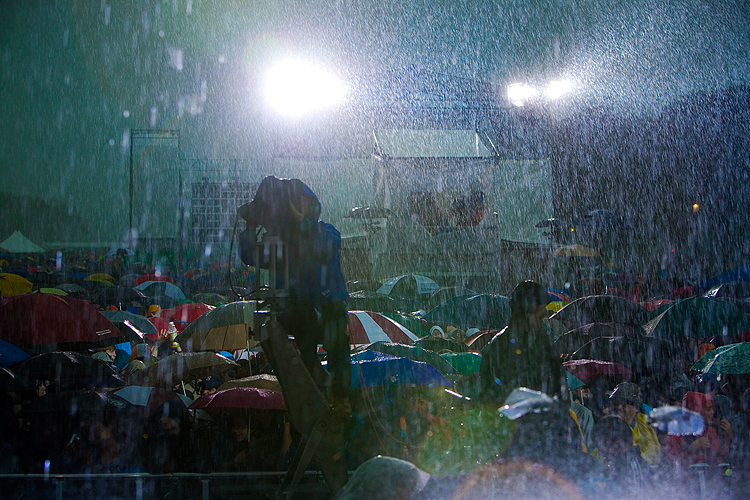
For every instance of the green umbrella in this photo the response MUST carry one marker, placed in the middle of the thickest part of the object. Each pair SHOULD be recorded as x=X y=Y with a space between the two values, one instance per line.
x=728 y=359
x=464 y=362
x=699 y=317
x=411 y=323
x=225 y=328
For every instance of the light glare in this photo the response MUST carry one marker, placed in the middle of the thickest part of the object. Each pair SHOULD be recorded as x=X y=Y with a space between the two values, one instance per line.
x=295 y=88
x=519 y=93
x=558 y=88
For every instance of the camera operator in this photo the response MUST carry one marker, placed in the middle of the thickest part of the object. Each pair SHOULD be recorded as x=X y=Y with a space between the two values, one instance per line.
x=315 y=311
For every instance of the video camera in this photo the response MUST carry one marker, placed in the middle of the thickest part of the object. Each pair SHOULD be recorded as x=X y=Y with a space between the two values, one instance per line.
x=271 y=207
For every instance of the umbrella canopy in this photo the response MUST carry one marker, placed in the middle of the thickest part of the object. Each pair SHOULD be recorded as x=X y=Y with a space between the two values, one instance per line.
x=13 y=284
x=55 y=291
x=472 y=311
x=224 y=328
x=415 y=353
x=733 y=290
x=74 y=290
x=43 y=318
x=479 y=340
x=100 y=277
x=68 y=370
x=152 y=277
x=599 y=309
x=10 y=354
x=262 y=381
x=67 y=407
x=463 y=362
x=652 y=305
x=10 y=382
x=371 y=301
x=183 y=314
x=699 y=317
x=728 y=359
x=584 y=369
x=642 y=355
x=150 y=397
x=576 y=250
x=378 y=369
x=114 y=250
x=439 y=344
x=169 y=371
x=158 y=289
x=739 y=274
x=408 y=285
x=241 y=397
x=574 y=339
x=133 y=326
x=366 y=327
x=123 y=297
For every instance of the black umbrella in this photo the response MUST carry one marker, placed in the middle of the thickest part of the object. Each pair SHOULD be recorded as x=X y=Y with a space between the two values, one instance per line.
x=574 y=339
x=366 y=300
x=472 y=311
x=642 y=355
x=68 y=370
x=123 y=297
x=599 y=309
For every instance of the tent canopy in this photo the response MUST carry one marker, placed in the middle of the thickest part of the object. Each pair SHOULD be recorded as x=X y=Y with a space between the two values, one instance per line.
x=18 y=243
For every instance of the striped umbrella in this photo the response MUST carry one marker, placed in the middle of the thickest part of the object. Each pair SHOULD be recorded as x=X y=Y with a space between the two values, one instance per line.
x=366 y=327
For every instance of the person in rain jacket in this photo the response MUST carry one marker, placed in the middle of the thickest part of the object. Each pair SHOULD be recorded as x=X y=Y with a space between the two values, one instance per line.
x=706 y=447
x=627 y=405
x=316 y=311
x=521 y=354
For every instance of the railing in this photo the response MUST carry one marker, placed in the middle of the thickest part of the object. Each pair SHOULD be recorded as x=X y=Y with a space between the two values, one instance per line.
x=141 y=486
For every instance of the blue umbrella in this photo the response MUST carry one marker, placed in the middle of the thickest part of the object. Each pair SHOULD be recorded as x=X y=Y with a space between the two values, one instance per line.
x=165 y=288
x=10 y=354
x=373 y=369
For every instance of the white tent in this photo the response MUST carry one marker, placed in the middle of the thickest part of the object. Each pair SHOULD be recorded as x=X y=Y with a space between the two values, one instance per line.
x=18 y=243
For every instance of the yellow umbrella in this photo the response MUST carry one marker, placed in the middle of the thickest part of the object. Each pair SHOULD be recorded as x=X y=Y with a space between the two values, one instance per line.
x=55 y=291
x=13 y=284
x=576 y=250
x=99 y=277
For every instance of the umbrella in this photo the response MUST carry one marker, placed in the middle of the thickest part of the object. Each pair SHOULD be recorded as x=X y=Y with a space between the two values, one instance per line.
x=574 y=339
x=408 y=285
x=177 y=367
x=210 y=298
x=150 y=397
x=472 y=311
x=378 y=369
x=590 y=368
x=43 y=318
x=100 y=277
x=10 y=382
x=733 y=290
x=74 y=290
x=262 y=381
x=412 y=323
x=599 y=309
x=134 y=326
x=13 y=284
x=463 y=362
x=224 y=328
x=152 y=277
x=55 y=291
x=576 y=250
x=727 y=359
x=68 y=370
x=185 y=313
x=366 y=327
x=642 y=355
x=157 y=289
x=479 y=340
x=739 y=274
x=652 y=305
x=10 y=354
x=123 y=297
x=113 y=251
x=371 y=301
x=67 y=406
x=699 y=317
x=415 y=353
x=241 y=397
x=440 y=344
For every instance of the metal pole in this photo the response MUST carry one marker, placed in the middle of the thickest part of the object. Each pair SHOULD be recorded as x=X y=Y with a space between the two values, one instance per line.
x=130 y=209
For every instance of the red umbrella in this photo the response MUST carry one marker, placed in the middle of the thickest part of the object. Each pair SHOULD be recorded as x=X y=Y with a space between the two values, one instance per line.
x=161 y=325
x=590 y=368
x=366 y=327
x=652 y=305
x=45 y=318
x=241 y=397
x=182 y=314
x=152 y=277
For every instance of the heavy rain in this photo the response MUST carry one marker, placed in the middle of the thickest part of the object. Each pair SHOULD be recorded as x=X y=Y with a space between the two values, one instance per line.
x=370 y=250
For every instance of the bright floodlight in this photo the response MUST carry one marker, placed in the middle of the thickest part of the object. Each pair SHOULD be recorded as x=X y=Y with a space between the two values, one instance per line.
x=557 y=88
x=519 y=93
x=295 y=88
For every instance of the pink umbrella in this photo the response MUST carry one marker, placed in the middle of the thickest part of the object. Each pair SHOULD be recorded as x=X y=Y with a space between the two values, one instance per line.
x=241 y=397
x=366 y=327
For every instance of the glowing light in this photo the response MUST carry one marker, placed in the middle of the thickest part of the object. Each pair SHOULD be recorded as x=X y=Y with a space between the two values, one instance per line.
x=558 y=88
x=519 y=93
x=296 y=88
x=696 y=207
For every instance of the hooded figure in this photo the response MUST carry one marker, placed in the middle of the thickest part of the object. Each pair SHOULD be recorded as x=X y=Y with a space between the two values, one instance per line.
x=315 y=312
x=705 y=447
x=521 y=354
